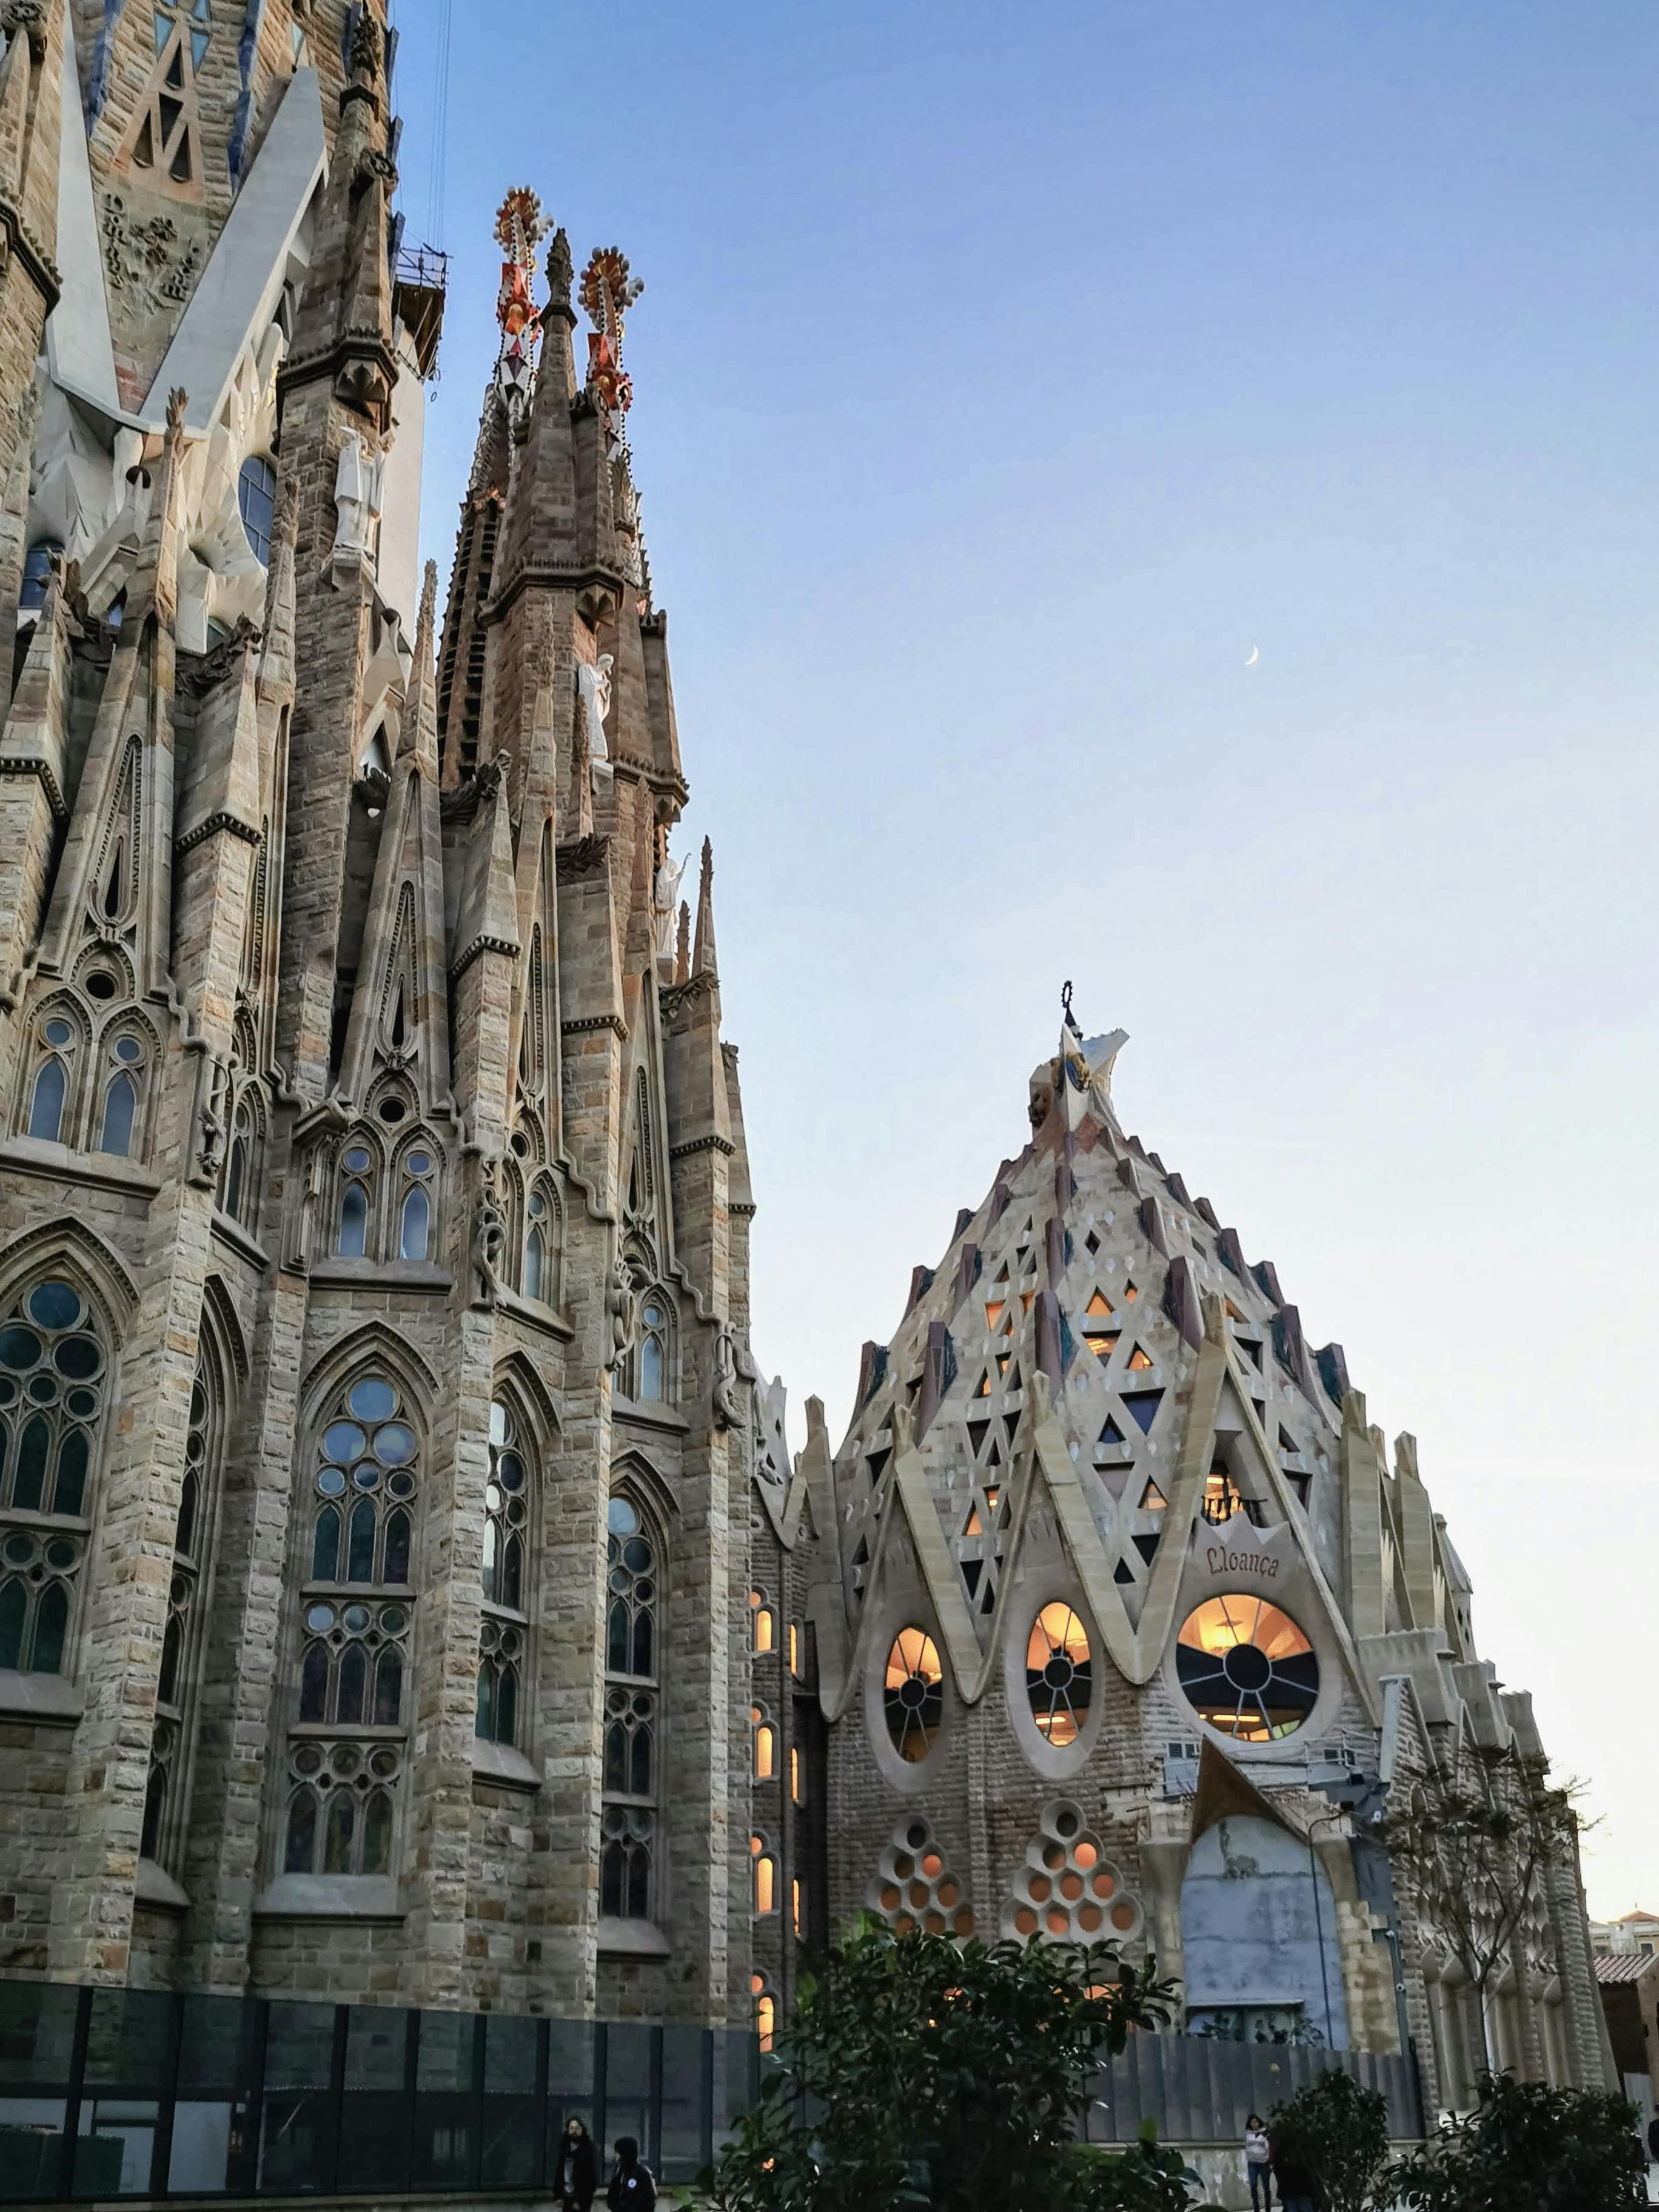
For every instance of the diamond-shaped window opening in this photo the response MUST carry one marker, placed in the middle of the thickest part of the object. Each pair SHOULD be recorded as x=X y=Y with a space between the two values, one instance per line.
x=1130 y=1294
x=1123 y=1574
x=1067 y=1889
x=1091 y=1245
x=162 y=137
x=1142 y=1405
x=916 y=1888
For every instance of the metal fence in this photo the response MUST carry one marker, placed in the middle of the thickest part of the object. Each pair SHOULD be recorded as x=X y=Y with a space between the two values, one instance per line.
x=1200 y=2089
x=109 y=2092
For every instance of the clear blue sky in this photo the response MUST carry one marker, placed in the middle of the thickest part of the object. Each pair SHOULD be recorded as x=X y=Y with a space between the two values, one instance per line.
x=1002 y=377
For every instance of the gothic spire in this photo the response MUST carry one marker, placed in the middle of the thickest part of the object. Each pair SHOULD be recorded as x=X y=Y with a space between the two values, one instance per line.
x=702 y=957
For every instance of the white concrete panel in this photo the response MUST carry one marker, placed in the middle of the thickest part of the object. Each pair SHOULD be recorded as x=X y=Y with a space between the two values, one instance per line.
x=243 y=283
x=79 y=350
x=399 y=565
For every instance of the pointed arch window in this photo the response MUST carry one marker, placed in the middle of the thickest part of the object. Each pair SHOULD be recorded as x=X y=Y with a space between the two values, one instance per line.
x=123 y=1076
x=356 y=1192
x=57 y=1039
x=166 y=1815
x=629 y=1797
x=54 y=1374
x=357 y=1616
x=543 y=1244
x=504 y=1634
x=653 y=1362
x=242 y=1169
x=415 y=1215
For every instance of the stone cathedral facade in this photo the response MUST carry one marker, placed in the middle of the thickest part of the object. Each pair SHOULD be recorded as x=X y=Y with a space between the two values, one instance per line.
x=407 y=1595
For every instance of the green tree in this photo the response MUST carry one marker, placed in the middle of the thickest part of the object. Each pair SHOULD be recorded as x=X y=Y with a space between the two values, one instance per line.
x=1527 y=2147
x=919 y=2072
x=1340 y=2132
x=1474 y=1850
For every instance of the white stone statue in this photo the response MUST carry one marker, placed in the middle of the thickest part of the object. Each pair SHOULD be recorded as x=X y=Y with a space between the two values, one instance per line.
x=666 y=902
x=357 y=486
x=593 y=682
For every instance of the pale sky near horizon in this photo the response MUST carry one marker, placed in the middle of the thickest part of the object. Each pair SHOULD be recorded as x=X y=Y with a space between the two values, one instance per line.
x=1001 y=381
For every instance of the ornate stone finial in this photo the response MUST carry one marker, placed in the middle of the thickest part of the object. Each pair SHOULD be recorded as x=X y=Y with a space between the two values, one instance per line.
x=607 y=293
x=29 y=17
x=683 y=948
x=520 y=226
x=178 y=400
x=560 y=269
x=365 y=48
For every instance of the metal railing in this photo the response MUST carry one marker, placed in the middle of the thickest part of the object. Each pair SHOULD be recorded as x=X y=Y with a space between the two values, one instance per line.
x=109 y=2093
x=1201 y=2090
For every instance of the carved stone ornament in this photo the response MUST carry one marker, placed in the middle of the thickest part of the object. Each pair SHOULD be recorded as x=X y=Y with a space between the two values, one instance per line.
x=727 y=1411
x=621 y=1306
x=145 y=260
x=213 y=1122
x=488 y=1235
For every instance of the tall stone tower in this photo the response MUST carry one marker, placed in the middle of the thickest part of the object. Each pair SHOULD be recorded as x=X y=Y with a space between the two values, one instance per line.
x=375 y=1405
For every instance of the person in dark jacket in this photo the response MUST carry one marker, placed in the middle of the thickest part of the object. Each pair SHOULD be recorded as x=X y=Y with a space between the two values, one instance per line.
x=576 y=2175
x=1296 y=2186
x=632 y=2188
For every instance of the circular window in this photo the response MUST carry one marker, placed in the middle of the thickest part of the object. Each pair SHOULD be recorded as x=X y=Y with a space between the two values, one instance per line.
x=913 y=1695
x=1059 y=1674
x=101 y=984
x=1247 y=1669
x=58 y=1033
x=623 y=1519
x=371 y=1399
x=54 y=1305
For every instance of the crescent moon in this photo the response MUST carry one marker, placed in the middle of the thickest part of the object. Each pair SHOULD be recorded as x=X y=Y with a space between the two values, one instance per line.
x=1255 y=655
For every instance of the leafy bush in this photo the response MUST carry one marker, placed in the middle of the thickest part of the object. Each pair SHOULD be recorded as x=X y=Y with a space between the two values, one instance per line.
x=1339 y=2133
x=1531 y=2148
x=922 y=2073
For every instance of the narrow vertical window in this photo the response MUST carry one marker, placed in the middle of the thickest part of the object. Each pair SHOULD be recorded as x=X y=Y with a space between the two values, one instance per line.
x=121 y=1104
x=53 y=1373
x=352 y=1242
x=415 y=1224
x=46 y=1108
x=766 y=1745
x=346 y=1750
x=653 y=1364
x=766 y=1875
x=628 y=1817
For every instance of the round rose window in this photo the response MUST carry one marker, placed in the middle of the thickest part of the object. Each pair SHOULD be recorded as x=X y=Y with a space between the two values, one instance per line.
x=1247 y=1669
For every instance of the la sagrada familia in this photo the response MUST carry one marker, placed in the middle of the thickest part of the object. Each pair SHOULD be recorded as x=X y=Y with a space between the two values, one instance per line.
x=407 y=1595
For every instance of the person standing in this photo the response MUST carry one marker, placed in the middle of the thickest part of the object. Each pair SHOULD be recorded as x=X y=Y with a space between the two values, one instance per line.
x=576 y=2176
x=1258 y=2164
x=1295 y=2184
x=632 y=2188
